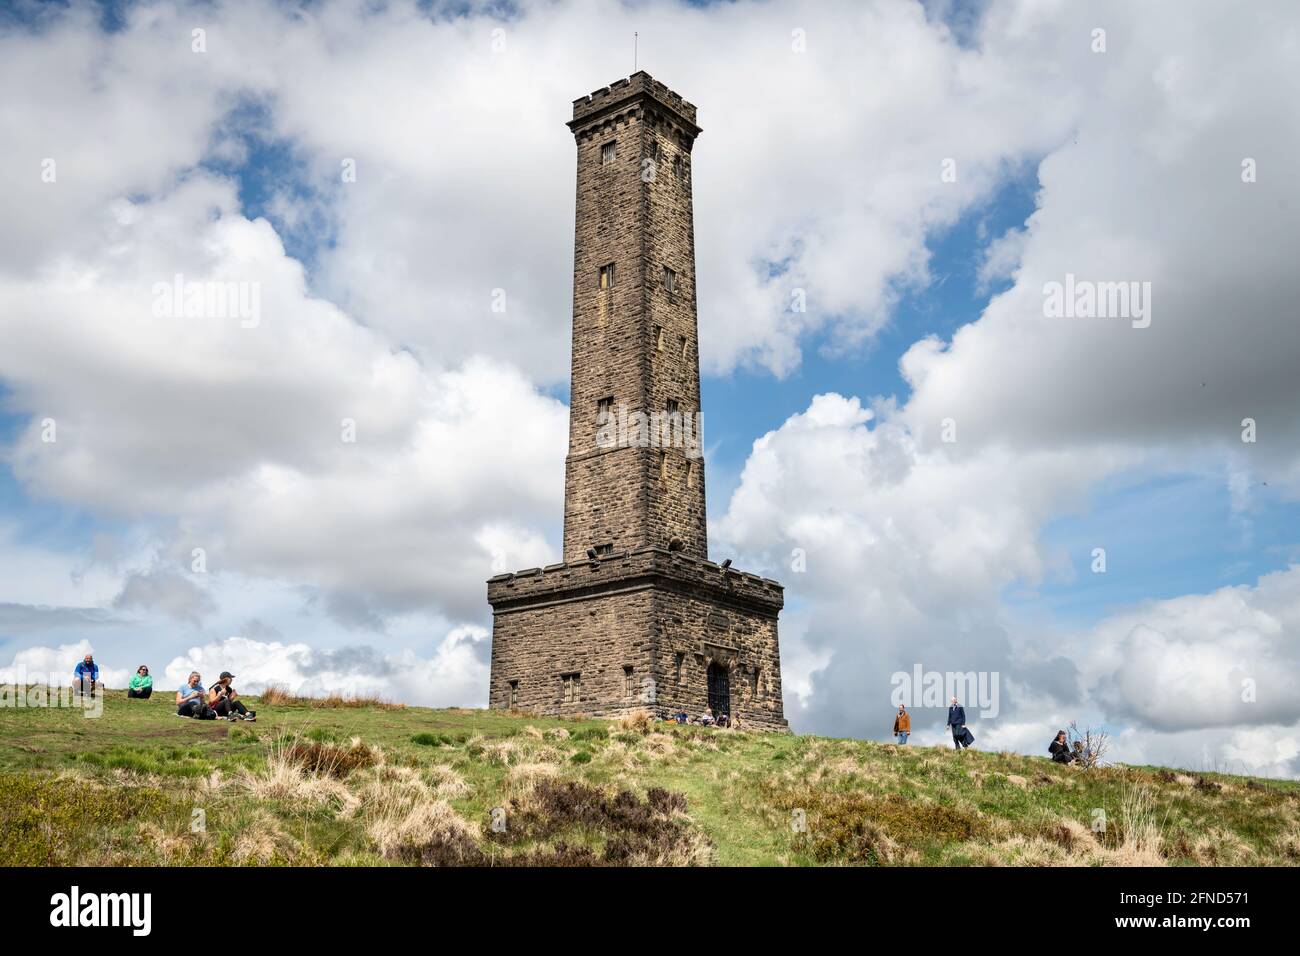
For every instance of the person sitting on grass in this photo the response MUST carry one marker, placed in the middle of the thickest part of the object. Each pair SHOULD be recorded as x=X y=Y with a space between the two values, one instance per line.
x=223 y=699
x=1059 y=749
x=1082 y=757
x=86 y=675
x=723 y=720
x=706 y=718
x=191 y=701
x=141 y=686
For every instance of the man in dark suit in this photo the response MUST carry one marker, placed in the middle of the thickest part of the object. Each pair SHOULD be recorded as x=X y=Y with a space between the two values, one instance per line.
x=957 y=722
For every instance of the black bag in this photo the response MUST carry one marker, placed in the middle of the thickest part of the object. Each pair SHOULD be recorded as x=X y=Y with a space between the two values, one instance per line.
x=967 y=738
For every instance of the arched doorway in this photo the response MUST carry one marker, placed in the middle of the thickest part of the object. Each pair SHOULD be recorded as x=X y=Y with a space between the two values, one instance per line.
x=719 y=689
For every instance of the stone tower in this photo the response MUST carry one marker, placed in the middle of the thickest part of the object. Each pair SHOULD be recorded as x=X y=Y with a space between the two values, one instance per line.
x=636 y=616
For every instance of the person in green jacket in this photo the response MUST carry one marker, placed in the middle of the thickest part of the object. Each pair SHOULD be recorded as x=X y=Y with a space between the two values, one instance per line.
x=141 y=686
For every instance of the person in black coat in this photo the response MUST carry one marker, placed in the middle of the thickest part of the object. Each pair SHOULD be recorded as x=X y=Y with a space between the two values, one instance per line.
x=957 y=723
x=1059 y=749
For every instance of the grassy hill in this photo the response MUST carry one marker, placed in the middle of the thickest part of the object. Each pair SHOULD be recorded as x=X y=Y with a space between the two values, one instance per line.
x=311 y=783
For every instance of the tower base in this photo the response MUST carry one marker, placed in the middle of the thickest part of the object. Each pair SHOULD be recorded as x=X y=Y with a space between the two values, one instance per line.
x=647 y=629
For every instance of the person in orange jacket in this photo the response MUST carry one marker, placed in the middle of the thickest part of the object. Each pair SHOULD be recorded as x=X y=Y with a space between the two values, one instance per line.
x=902 y=724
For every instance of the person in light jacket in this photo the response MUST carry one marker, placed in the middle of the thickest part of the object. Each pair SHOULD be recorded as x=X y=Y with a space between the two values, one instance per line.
x=141 y=686
x=957 y=723
x=902 y=724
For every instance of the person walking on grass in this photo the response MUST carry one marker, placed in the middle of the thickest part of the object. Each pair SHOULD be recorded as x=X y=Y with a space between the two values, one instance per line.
x=902 y=724
x=957 y=723
x=141 y=686
x=191 y=701
x=86 y=676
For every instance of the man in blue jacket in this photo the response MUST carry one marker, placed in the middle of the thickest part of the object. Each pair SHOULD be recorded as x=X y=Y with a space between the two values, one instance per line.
x=86 y=675
x=957 y=722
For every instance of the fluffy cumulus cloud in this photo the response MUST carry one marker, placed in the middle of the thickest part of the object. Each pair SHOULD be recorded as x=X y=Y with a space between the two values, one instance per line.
x=294 y=442
x=454 y=675
x=1223 y=659
x=1150 y=188
x=896 y=557
x=455 y=190
x=476 y=149
x=372 y=431
x=914 y=524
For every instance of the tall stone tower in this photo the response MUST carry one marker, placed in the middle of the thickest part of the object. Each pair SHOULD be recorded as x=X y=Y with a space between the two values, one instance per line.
x=636 y=616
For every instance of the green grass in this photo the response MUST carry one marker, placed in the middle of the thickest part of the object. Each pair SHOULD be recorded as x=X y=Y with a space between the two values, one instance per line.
x=311 y=784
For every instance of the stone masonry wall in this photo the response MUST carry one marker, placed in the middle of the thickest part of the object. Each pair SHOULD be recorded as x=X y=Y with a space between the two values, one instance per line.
x=597 y=638
x=744 y=642
x=637 y=610
x=640 y=625
x=635 y=343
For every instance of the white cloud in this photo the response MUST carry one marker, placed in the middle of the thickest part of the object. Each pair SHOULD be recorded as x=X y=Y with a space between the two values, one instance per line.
x=53 y=666
x=1002 y=258
x=454 y=676
x=1148 y=187
x=461 y=176
x=908 y=552
x=1228 y=658
x=237 y=434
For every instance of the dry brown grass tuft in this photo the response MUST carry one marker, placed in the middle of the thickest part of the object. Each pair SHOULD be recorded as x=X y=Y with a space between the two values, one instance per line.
x=639 y=721
x=278 y=695
x=1287 y=843
x=1217 y=847
x=1140 y=831
x=356 y=700
x=1017 y=851
x=660 y=746
x=262 y=841
x=447 y=782
x=173 y=845
x=282 y=779
x=334 y=760
x=1071 y=836
x=503 y=753
x=427 y=832
x=299 y=771
x=522 y=777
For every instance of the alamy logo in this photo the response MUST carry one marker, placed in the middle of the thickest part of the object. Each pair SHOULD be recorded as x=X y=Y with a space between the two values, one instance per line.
x=179 y=299
x=103 y=909
x=1084 y=299
x=619 y=428
x=37 y=689
x=922 y=688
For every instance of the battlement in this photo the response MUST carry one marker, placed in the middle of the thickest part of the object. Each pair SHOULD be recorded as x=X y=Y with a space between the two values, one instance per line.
x=628 y=568
x=638 y=85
